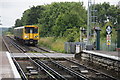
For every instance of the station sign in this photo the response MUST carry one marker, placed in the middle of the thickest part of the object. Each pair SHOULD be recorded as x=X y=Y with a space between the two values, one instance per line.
x=108 y=29
x=108 y=40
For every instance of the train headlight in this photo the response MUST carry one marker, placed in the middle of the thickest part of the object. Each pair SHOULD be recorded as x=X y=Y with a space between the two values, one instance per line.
x=36 y=36
x=26 y=36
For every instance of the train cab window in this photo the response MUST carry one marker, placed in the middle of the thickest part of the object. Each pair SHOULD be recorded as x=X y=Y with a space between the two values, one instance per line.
x=31 y=30
x=27 y=30
x=35 y=30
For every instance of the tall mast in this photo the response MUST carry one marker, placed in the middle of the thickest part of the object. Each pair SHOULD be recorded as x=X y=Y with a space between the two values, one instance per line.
x=89 y=22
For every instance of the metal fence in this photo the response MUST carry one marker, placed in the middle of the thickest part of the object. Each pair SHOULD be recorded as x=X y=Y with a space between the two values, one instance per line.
x=70 y=47
x=111 y=47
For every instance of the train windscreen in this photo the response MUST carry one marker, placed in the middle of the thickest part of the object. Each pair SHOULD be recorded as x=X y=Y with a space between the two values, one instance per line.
x=31 y=30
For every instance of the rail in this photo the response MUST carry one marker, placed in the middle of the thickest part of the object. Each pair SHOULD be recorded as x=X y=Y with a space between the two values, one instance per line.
x=59 y=76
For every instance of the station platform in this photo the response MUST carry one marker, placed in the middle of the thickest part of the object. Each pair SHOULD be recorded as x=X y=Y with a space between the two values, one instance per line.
x=43 y=55
x=114 y=55
x=8 y=70
x=111 y=53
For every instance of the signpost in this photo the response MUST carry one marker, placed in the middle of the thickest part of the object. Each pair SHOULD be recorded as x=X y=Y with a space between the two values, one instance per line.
x=108 y=31
x=108 y=39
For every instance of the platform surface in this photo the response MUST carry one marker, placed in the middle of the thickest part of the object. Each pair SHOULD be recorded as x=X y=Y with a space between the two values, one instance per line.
x=112 y=53
x=109 y=54
x=40 y=55
x=6 y=68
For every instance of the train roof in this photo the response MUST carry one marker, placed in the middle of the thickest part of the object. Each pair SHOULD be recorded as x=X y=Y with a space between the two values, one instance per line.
x=25 y=26
x=19 y=27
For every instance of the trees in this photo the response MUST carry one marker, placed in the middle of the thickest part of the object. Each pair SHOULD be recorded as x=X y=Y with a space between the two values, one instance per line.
x=57 y=19
x=18 y=23
x=106 y=12
x=66 y=21
x=31 y=15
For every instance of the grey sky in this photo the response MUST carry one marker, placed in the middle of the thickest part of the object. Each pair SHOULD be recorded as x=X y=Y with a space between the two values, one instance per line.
x=10 y=10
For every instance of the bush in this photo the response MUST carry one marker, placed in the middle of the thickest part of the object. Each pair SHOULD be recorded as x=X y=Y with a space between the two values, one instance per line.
x=71 y=39
x=55 y=44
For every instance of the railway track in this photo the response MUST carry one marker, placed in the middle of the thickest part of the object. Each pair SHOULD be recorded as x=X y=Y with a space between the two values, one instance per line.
x=30 y=48
x=55 y=72
x=8 y=42
x=54 y=75
x=53 y=69
x=20 y=68
x=86 y=70
x=83 y=70
x=57 y=68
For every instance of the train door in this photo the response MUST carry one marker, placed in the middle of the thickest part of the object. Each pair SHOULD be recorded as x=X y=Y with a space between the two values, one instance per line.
x=31 y=35
x=29 y=32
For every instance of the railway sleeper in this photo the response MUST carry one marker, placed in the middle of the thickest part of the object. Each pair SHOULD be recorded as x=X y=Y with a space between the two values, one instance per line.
x=56 y=74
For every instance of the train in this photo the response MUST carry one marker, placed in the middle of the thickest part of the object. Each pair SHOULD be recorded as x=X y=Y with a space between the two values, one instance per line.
x=28 y=34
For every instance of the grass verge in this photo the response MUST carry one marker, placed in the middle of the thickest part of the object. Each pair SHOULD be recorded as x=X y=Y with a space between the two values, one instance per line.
x=55 y=44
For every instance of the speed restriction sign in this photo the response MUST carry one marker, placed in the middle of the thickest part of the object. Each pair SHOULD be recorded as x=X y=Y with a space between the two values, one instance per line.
x=109 y=29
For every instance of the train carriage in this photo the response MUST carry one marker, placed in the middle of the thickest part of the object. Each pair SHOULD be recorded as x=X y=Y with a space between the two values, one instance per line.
x=28 y=34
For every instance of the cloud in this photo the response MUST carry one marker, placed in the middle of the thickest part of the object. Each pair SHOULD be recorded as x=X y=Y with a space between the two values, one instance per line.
x=10 y=10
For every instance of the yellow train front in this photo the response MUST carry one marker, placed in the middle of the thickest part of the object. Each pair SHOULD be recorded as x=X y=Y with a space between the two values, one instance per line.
x=27 y=34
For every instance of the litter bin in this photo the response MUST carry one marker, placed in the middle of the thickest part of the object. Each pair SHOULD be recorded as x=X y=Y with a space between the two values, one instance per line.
x=78 y=48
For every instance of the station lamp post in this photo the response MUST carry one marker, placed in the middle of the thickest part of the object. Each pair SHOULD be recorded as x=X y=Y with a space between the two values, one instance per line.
x=97 y=29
